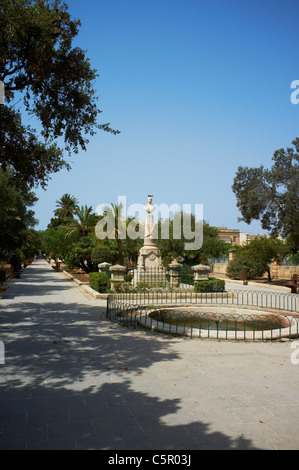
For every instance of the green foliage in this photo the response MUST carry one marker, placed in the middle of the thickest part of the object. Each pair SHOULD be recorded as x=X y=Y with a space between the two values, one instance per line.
x=271 y=195
x=211 y=285
x=85 y=221
x=212 y=246
x=123 y=287
x=66 y=206
x=294 y=259
x=257 y=256
x=16 y=215
x=253 y=266
x=103 y=252
x=79 y=254
x=57 y=244
x=55 y=80
x=143 y=286
x=32 y=243
x=31 y=161
x=100 y=282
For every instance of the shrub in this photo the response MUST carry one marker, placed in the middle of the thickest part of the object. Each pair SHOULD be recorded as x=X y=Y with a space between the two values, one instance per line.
x=128 y=277
x=101 y=253
x=79 y=255
x=253 y=266
x=212 y=285
x=100 y=282
x=123 y=287
x=294 y=259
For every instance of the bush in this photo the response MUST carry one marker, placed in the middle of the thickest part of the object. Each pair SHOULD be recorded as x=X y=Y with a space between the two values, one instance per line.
x=253 y=266
x=294 y=259
x=99 y=282
x=123 y=287
x=101 y=253
x=212 y=285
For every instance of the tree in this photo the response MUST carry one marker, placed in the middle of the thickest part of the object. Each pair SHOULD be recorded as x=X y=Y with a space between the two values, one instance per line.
x=66 y=206
x=104 y=251
x=85 y=222
x=32 y=243
x=272 y=195
x=30 y=161
x=115 y=226
x=256 y=257
x=57 y=244
x=254 y=267
x=55 y=81
x=80 y=254
x=16 y=215
x=212 y=246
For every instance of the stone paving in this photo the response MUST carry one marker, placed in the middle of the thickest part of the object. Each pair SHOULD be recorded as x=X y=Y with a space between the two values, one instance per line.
x=73 y=380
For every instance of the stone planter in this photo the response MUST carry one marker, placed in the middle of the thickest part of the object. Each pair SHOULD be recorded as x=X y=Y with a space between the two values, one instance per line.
x=174 y=273
x=201 y=272
x=117 y=274
x=103 y=267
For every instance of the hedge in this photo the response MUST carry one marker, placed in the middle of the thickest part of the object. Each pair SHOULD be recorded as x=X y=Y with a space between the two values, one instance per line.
x=212 y=285
x=99 y=282
x=254 y=267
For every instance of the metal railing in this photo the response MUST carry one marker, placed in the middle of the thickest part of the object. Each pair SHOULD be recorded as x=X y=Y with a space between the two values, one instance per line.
x=163 y=277
x=277 y=317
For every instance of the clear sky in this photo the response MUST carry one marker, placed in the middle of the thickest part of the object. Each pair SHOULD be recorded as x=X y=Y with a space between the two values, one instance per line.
x=196 y=88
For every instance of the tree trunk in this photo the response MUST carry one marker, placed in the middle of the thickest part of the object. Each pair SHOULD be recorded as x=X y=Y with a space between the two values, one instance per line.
x=120 y=251
x=269 y=273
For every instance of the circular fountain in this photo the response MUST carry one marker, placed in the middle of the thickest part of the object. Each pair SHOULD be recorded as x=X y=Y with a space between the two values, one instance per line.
x=219 y=322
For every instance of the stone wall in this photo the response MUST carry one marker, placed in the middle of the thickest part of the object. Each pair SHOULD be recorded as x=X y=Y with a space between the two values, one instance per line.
x=219 y=268
x=277 y=272
x=285 y=272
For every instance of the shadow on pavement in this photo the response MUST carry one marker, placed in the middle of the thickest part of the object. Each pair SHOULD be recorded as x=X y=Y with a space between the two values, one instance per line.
x=70 y=381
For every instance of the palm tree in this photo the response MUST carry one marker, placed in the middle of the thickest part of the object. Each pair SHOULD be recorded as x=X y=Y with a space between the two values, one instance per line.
x=113 y=213
x=85 y=222
x=66 y=206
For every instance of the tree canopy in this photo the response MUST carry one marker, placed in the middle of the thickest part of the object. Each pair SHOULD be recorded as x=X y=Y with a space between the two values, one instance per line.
x=16 y=219
x=66 y=206
x=55 y=81
x=272 y=195
x=256 y=256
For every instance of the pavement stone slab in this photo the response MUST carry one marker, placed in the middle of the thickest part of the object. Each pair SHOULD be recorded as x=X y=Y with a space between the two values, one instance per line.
x=73 y=380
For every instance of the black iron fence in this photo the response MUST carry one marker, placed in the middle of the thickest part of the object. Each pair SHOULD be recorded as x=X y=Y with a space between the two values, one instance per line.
x=183 y=276
x=226 y=315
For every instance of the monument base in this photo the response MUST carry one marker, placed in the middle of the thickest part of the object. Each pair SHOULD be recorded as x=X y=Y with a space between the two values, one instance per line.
x=149 y=265
x=154 y=277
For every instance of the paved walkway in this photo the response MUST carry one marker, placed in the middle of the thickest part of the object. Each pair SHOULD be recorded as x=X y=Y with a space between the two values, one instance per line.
x=72 y=380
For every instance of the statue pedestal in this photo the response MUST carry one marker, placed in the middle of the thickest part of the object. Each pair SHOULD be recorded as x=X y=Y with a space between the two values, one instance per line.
x=149 y=265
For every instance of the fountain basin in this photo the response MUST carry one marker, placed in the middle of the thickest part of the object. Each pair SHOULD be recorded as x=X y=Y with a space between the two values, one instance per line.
x=221 y=322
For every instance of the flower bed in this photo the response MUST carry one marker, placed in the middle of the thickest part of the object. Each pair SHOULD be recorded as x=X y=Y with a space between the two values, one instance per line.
x=78 y=274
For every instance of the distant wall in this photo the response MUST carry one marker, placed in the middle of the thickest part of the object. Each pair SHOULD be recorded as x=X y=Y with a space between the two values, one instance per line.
x=278 y=272
x=284 y=272
x=219 y=268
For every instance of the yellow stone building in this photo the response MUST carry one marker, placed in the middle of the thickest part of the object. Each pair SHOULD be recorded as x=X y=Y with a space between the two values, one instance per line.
x=234 y=236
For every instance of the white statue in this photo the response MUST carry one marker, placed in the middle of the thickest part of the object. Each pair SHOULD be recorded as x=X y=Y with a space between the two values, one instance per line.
x=149 y=224
x=149 y=207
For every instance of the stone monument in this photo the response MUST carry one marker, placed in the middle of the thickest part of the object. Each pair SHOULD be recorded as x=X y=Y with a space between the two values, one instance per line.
x=149 y=265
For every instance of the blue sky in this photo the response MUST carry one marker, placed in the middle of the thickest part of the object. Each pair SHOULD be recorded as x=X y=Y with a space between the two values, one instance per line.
x=196 y=88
